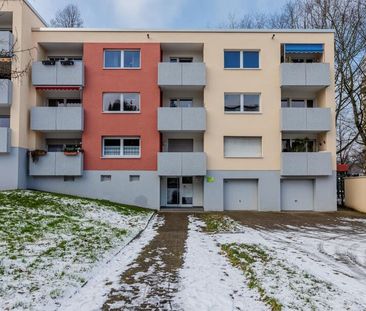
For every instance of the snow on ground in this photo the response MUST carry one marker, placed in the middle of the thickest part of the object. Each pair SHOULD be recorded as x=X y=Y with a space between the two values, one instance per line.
x=107 y=275
x=50 y=244
x=303 y=268
x=208 y=281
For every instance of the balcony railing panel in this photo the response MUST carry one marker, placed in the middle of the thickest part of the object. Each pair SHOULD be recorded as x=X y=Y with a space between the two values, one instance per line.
x=306 y=164
x=182 y=164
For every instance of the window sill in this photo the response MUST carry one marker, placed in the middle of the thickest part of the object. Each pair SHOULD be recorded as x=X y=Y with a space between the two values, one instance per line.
x=124 y=68
x=240 y=112
x=260 y=157
x=242 y=68
x=117 y=157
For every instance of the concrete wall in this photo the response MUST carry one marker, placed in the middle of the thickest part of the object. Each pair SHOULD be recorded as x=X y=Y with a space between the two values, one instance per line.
x=144 y=192
x=182 y=119
x=305 y=119
x=6 y=87
x=57 y=119
x=312 y=74
x=13 y=168
x=58 y=74
x=182 y=74
x=355 y=193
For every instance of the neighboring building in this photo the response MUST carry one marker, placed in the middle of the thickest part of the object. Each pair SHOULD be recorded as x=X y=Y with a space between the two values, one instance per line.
x=224 y=120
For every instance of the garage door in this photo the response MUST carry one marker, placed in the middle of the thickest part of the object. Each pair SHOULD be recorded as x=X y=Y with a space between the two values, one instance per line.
x=297 y=195
x=240 y=194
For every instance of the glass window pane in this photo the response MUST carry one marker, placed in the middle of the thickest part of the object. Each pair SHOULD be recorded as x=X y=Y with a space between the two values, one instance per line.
x=52 y=102
x=310 y=103
x=232 y=102
x=251 y=59
x=298 y=103
x=285 y=103
x=174 y=103
x=251 y=102
x=186 y=103
x=131 y=147
x=112 y=147
x=310 y=146
x=131 y=102
x=232 y=59
x=111 y=102
x=298 y=145
x=131 y=59
x=112 y=59
x=4 y=121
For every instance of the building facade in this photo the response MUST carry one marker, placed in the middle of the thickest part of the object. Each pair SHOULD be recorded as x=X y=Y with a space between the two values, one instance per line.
x=224 y=120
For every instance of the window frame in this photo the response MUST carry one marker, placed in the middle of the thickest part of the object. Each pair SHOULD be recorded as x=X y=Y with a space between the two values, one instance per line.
x=179 y=99
x=290 y=100
x=121 y=156
x=241 y=53
x=242 y=96
x=122 y=59
x=121 y=99
x=260 y=156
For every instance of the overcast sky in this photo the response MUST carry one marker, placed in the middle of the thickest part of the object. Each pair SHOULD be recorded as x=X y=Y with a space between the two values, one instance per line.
x=181 y=14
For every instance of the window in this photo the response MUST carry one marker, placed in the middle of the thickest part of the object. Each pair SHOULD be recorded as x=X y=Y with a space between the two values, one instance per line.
x=299 y=145
x=122 y=59
x=181 y=59
x=64 y=102
x=297 y=103
x=121 y=102
x=69 y=178
x=242 y=102
x=121 y=147
x=105 y=178
x=181 y=102
x=241 y=59
x=180 y=145
x=134 y=178
x=242 y=147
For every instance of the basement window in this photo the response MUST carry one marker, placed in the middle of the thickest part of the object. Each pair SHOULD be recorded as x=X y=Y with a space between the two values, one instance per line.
x=105 y=178
x=69 y=178
x=134 y=178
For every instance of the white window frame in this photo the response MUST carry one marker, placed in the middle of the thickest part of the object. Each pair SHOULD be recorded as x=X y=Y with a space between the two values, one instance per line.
x=179 y=99
x=122 y=59
x=315 y=104
x=242 y=59
x=121 y=156
x=121 y=99
x=244 y=157
x=242 y=111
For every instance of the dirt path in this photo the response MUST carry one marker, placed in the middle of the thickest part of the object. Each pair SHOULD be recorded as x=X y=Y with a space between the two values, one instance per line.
x=151 y=281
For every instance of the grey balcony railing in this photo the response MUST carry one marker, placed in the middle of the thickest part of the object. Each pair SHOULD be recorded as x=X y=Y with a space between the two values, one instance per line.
x=306 y=164
x=182 y=74
x=58 y=74
x=306 y=119
x=6 y=42
x=182 y=164
x=57 y=119
x=305 y=74
x=56 y=164
x=5 y=140
x=182 y=119
x=5 y=92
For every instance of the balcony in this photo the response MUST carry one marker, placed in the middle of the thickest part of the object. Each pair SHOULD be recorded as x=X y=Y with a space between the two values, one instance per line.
x=48 y=119
x=57 y=74
x=6 y=42
x=316 y=75
x=182 y=119
x=56 y=164
x=5 y=93
x=5 y=140
x=306 y=164
x=182 y=74
x=182 y=164
x=305 y=119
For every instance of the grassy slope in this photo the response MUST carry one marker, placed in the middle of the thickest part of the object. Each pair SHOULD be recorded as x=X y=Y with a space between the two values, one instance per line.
x=53 y=240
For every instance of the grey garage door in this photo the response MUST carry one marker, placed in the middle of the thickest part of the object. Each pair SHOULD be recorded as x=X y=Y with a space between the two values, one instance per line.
x=240 y=194
x=297 y=195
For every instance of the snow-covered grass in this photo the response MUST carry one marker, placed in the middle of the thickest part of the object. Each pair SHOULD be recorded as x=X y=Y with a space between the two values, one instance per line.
x=50 y=244
x=294 y=268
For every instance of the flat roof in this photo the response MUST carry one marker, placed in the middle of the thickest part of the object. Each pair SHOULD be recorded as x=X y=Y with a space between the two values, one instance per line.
x=50 y=29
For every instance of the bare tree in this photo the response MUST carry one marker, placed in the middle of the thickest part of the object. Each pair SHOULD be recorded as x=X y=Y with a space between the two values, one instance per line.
x=69 y=17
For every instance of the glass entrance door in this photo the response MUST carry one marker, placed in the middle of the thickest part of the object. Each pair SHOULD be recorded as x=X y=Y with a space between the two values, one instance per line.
x=173 y=197
x=179 y=191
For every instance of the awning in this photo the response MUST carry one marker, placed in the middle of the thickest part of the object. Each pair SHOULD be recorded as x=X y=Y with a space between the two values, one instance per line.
x=58 y=88
x=303 y=48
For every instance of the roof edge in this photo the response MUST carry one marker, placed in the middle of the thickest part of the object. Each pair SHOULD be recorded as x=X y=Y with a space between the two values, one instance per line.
x=49 y=29
x=36 y=13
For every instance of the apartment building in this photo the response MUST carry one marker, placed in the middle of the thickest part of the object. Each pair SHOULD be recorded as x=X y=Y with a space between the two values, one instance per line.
x=218 y=119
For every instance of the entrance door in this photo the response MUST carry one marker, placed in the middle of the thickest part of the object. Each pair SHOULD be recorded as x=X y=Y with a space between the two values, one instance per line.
x=179 y=191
